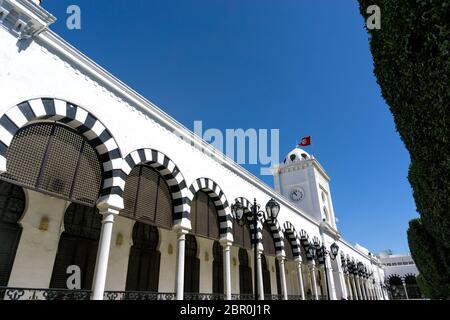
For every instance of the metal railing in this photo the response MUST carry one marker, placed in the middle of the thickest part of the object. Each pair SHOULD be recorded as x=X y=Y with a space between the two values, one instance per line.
x=273 y=297
x=138 y=295
x=204 y=296
x=295 y=297
x=65 y=294
x=43 y=294
x=239 y=297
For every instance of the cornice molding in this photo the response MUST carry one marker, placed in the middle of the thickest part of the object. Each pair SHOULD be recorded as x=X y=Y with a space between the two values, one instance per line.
x=24 y=18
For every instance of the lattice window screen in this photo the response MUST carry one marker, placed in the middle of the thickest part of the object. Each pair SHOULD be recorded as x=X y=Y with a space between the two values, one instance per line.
x=147 y=197
x=204 y=219
x=54 y=159
x=269 y=246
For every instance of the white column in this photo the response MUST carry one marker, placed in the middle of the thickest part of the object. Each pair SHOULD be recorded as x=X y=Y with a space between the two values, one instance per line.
x=404 y=288
x=348 y=287
x=372 y=290
x=310 y=281
x=301 y=287
x=179 y=276
x=227 y=268
x=366 y=286
x=259 y=275
x=281 y=261
x=368 y=289
x=358 y=287
x=342 y=284
x=363 y=288
x=377 y=294
x=361 y=285
x=104 y=245
x=330 y=277
x=354 y=288
x=312 y=269
x=324 y=281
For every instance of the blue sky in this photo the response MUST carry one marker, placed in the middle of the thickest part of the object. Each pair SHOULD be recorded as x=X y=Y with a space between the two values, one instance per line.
x=303 y=67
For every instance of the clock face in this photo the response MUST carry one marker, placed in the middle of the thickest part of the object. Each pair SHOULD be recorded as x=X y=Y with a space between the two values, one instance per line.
x=297 y=194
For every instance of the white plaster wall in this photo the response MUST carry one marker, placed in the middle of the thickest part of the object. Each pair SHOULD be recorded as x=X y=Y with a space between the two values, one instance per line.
x=234 y=270
x=118 y=257
x=273 y=274
x=206 y=260
x=292 y=278
x=168 y=249
x=36 y=252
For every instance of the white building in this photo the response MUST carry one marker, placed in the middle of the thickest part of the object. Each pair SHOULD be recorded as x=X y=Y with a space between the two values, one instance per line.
x=400 y=272
x=103 y=193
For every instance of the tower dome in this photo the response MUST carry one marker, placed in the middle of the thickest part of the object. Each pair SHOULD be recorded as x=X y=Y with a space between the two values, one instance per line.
x=297 y=155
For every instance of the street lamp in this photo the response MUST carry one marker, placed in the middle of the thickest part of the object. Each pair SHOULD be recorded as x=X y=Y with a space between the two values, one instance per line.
x=360 y=267
x=333 y=254
x=272 y=209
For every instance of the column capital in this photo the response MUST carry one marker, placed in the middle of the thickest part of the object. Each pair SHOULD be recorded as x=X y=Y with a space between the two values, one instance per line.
x=180 y=229
x=106 y=209
x=113 y=202
x=225 y=243
x=281 y=257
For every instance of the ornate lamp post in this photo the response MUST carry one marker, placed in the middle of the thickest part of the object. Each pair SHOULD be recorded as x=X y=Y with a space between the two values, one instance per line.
x=272 y=209
x=322 y=253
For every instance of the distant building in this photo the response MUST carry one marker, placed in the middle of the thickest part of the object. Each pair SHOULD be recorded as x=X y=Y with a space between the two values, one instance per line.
x=400 y=273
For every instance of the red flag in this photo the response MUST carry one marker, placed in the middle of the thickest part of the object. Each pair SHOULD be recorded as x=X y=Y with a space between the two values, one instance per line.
x=306 y=141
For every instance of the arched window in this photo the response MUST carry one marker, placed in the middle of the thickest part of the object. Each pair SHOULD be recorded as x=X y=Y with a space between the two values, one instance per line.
x=245 y=273
x=396 y=287
x=12 y=205
x=242 y=235
x=147 y=197
x=412 y=287
x=191 y=266
x=269 y=245
x=52 y=158
x=266 y=277
x=144 y=261
x=204 y=218
x=77 y=245
x=217 y=268
x=325 y=214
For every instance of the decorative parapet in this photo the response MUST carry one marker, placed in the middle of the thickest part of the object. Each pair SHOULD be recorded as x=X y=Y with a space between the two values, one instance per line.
x=24 y=18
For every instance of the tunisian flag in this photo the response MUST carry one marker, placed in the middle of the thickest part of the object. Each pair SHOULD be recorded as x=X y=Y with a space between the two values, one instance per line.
x=306 y=141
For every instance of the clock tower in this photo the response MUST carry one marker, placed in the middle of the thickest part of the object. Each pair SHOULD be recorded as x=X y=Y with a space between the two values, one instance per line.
x=302 y=180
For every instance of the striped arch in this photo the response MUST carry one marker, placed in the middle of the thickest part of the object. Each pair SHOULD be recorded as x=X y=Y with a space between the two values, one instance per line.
x=409 y=274
x=291 y=234
x=247 y=204
x=394 y=275
x=317 y=243
x=216 y=194
x=351 y=266
x=248 y=213
x=305 y=243
x=277 y=234
x=171 y=174
x=84 y=123
x=343 y=260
